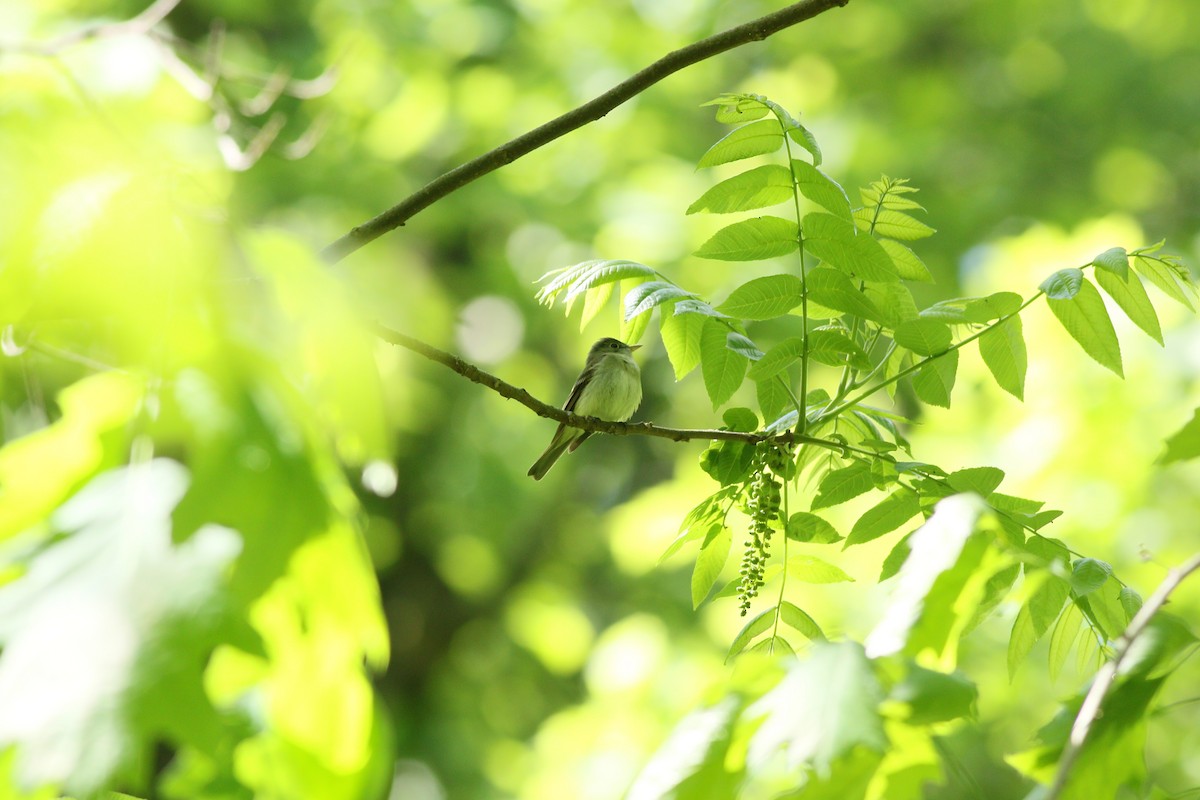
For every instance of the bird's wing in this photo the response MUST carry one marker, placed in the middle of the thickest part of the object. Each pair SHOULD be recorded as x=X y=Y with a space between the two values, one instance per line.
x=577 y=389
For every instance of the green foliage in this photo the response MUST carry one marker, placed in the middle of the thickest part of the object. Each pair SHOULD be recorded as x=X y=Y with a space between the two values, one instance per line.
x=847 y=266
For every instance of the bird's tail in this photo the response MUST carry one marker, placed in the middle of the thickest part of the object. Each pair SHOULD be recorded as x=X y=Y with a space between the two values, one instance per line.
x=543 y=464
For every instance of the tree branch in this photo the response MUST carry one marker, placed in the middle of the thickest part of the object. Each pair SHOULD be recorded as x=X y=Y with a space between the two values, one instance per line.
x=474 y=373
x=753 y=31
x=155 y=13
x=1090 y=710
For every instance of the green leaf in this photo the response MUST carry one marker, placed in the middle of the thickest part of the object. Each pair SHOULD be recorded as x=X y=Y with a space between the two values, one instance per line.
x=755 y=139
x=1088 y=575
x=805 y=527
x=764 y=298
x=981 y=480
x=1064 y=284
x=773 y=398
x=738 y=108
x=895 y=558
x=924 y=611
x=834 y=348
x=633 y=327
x=1130 y=600
x=796 y=619
x=833 y=289
x=740 y=419
x=594 y=302
x=974 y=309
x=908 y=264
x=723 y=369
x=803 y=137
x=821 y=189
x=892 y=224
x=697 y=524
x=752 y=240
x=1130 y=295
x=699 y=308
x=1163 y=277
x=742 y=345
x=584 y=276
x=895 y=510
x=811 y=569
x=709 y=564
x=760 y=187
x=934 y=382
x=1003 y=350
x=1184 y=444
x=681 y=338
x=693 y=752
x=818 y=727
x=894 y=300
x=839 y=244
x=751 y=629
x=842 y=485
x=933 y=696
x=728 y=462
x=1086 y=319
x=1115 y=261
x=1062 y=639
x=926 y=337
x=651 y=294
x=1103 y=607
x=1035 y=618
x=777 y=359
x=107 y=632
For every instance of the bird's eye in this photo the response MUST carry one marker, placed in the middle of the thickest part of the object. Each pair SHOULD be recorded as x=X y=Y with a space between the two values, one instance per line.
x=614 y=345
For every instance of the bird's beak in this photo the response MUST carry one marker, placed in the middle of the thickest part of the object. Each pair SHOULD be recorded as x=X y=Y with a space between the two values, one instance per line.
x=635 y=347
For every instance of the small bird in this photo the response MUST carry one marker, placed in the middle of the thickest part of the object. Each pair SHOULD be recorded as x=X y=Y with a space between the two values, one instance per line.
x=610 y=388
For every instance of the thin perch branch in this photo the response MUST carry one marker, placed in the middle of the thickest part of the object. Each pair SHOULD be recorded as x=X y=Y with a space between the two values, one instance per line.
x=1090 y=710
x=753 y=31
x=474 y=373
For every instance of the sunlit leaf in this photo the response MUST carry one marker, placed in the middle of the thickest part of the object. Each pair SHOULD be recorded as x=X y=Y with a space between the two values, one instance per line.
x=755 y=139
x=1084 y=316
x=1003 y=350
x=892 y=512
x=709 y=564
x=908 y=265
x=681 y=339
x=892 y=224
x=925 y=337
x=1115 y=261
x=843 y=484
x=934 y=381
x=1184 y=444
x=835 y=290
x=1163 y=277
x=752 y=240
x=803 y=526
x=839 y=244
x=818 y=727
x=821 y=189
x=760 y=187
x=800 y=621
x=764 y=298
x=723 y=369
x=1130 y=295
x=811 y=569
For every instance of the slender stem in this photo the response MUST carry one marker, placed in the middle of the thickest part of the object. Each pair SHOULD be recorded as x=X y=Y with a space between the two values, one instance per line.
x=754 y=31
x=914 y=367
x=1103 y=682
x=783 y=575
x=802 y=421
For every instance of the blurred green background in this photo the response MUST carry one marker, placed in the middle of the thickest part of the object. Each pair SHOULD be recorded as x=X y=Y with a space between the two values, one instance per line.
x=538 y=650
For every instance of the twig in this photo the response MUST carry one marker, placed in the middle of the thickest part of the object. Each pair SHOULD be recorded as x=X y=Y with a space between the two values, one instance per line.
x=1090 y=709
x=474 y=373
x=753 y=31
x=137 y=26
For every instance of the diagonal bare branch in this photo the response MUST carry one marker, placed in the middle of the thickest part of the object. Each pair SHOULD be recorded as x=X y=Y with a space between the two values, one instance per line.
x=753 y=31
